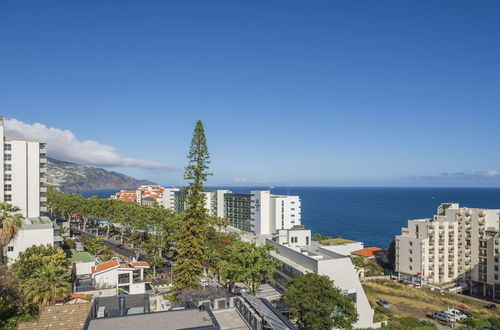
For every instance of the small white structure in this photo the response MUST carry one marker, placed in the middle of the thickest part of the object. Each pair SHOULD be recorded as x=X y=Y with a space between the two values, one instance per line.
x=124 y=276
x=299 y=255
x=270 y=213
x=34 y=231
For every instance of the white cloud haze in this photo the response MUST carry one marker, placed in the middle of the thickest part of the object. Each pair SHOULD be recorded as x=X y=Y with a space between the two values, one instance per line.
x=63 y=145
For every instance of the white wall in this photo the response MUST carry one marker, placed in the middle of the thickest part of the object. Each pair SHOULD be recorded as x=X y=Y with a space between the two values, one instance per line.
x=83 y=268
x=220 y=201
x=25 y=163
x=260 y=206
x=26 y=238
x=168 y=198
x=285 y=212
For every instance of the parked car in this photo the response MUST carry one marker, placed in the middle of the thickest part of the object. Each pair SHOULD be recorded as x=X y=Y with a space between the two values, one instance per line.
x=457 y=314
x=384 y=303
x=441 y=316
x=491 y=306
x=464 y=311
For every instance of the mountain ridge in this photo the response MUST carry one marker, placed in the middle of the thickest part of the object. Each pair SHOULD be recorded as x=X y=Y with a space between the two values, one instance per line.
x=68 y=176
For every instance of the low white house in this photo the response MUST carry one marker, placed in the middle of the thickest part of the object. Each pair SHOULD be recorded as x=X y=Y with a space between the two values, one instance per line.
x=34 y=231
x=126 y=277
x=82 y=262
x=300 y=255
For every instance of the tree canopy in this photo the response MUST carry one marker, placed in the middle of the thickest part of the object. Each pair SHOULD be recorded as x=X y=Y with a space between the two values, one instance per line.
x=191 y=239
x=317 y=305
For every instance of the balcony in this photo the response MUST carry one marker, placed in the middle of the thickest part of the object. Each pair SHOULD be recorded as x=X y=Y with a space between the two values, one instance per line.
x=43 y=199
x=43 y=209
x=43 y=150
x=43 y=160
x=43 y=170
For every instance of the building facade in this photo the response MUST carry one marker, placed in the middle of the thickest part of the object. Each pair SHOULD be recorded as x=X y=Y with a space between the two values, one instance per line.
x=448 y=248
x=22 y=183
x=299 y=255
x=23 y=174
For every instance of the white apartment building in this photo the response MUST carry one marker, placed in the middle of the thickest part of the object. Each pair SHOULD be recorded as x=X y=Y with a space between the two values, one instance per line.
x=270 y=213
x=447 y=248
x=22 y=184
x=23 y=167
x=168 y=198
x=300 y=255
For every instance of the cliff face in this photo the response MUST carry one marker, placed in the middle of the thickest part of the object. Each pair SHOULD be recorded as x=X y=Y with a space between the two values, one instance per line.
x=74 y=177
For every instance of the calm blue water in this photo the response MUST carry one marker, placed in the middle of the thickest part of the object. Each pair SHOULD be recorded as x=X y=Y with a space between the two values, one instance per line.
x=371 y=215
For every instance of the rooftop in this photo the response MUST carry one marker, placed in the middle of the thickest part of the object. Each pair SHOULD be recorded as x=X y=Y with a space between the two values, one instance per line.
x=67 y=317
x=37 y=223
x=368 y=252
x=172 y=320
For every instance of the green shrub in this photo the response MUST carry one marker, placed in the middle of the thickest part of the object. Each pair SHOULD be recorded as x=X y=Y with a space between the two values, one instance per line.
x=169 y=297
x=494 y=321
x=69 y=243
x=474 y=323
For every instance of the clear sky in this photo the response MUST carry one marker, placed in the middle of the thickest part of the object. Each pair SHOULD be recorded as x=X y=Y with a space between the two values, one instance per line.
x=290 y=92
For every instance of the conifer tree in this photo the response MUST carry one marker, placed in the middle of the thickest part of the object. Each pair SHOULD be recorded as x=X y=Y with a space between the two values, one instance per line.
x=191 y=241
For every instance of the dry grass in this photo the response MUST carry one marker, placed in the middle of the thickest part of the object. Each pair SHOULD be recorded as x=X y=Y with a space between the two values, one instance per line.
x=410 y=301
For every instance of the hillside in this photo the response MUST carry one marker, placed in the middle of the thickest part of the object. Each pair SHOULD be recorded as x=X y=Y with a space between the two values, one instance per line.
x=74 y=177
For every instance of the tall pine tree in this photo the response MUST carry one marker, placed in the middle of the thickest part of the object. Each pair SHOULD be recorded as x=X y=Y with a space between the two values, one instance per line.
x=191 y=240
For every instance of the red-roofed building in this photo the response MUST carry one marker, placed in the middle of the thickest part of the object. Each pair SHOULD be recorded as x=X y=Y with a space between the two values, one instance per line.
x=148 y=195
x=124 y=276
x=372 y=253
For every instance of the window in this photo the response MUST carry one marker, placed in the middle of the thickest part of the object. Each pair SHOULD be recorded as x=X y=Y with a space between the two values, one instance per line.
x=411 y=243
x=7 y=147
x=123 y=278
x=7 y=157
x=10 y=249
x=8 y=198
x=7 y=177
x=7 y=187
x=7 y=167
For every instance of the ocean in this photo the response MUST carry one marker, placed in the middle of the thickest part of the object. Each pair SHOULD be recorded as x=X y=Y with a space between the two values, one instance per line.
x=373 y=215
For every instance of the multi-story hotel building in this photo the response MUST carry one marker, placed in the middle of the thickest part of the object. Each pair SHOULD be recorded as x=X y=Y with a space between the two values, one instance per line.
x=23 y=168
x=487 y=283
x=22 y=184
x=448 y=248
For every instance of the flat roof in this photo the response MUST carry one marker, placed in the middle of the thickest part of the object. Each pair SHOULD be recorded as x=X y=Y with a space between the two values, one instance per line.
x=172 y=320
x=37 y=223
x=8 y=138
x=81 y=256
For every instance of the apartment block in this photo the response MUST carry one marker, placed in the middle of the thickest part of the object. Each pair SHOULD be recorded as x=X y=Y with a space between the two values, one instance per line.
x=448 y=248
x=22 y=174
x=22 y=184
x=299 y=254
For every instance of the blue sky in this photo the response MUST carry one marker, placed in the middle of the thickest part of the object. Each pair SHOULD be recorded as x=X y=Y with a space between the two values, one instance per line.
x=291 y=92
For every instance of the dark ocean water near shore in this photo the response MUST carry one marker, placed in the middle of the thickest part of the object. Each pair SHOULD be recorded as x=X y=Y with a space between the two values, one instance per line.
x=373 y=215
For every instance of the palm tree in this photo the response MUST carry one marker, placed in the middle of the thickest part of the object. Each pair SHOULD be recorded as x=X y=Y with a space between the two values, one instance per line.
x=46 y=285
x=10 y=223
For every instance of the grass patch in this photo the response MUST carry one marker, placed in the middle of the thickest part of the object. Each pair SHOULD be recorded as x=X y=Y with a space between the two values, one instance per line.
x=408 y=301
x=337 y=241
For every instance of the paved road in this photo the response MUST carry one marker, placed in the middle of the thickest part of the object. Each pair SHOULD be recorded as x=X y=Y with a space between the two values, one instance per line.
x=113 y=245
